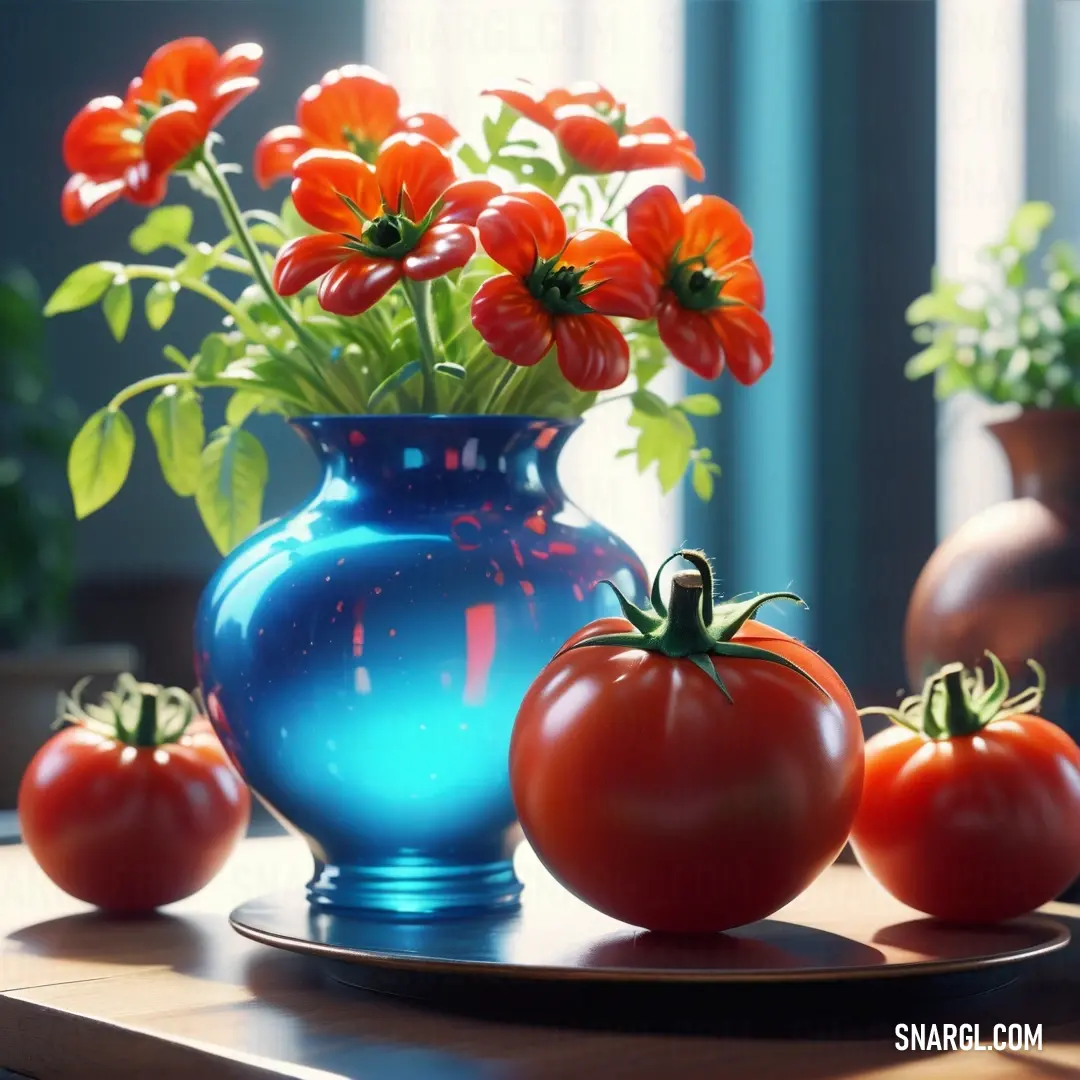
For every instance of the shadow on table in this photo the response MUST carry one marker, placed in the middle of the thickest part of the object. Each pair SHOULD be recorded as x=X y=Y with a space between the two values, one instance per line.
x=199 y=945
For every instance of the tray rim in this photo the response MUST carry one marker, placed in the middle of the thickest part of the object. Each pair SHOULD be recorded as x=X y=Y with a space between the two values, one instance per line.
x=1059 y=938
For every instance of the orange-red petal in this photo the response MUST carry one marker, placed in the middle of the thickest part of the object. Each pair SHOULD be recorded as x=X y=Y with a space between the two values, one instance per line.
x=172 y=134
x=354 y=285
x=144 y=186
x=658 y=151
x=690 y=337
x=714 y=225
x=225 y=96
x=179 y=69
x=592 y=352
x=432 y=126
x=624 y=284
x=301 y=261
x=275 y=153
x=517 y=229
x=515 y=325
x=526 y=99
x=464 y=201
x=355 y=99
x=654 y=225
x=321 y=177
x=589 y=94
x=744 y=283
x=82 y=198
x=590 y=141
x=412 y=173
x=102 y=139
x=240 y=60
x=746 y=340
x=441 y=249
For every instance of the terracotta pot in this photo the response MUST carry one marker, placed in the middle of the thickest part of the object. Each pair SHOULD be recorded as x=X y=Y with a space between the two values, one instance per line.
x=1008 y=580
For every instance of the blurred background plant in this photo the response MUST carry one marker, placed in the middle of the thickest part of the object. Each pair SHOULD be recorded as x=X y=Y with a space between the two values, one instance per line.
x=1006 y=338
x=36 y=428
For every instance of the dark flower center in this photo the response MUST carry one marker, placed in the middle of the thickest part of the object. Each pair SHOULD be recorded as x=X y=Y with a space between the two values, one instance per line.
x=563 y=282
x=383 y=232
x=696 y=284
x=699 y=280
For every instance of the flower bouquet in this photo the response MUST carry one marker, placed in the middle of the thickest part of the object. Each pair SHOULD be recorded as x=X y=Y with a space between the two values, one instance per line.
x=407 y=272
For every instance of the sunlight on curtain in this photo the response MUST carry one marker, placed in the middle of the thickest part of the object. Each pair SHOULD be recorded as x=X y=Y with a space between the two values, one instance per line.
x=440 y=55
x=981 y=153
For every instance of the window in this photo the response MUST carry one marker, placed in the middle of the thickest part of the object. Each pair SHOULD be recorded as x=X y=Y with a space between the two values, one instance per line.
x=441 y=56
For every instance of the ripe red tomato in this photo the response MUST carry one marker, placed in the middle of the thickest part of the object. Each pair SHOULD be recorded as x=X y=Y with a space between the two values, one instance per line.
x=971 y=826
x=654 y=798
x=132 y=827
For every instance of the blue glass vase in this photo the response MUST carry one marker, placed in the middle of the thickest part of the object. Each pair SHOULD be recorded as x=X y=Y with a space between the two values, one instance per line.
x=363 y=658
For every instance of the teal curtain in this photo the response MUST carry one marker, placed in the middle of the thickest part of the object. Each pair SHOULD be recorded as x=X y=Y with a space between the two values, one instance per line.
x=817 y=118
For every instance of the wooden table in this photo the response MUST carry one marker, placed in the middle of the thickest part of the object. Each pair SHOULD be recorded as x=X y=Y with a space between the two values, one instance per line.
x=180 y=995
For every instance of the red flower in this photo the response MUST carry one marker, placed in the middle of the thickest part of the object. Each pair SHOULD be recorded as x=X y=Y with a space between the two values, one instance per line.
x=126 y=148
x=590 y=126
x=559 y=292
x=711 y=294
x=406 y=217
x=352 y=108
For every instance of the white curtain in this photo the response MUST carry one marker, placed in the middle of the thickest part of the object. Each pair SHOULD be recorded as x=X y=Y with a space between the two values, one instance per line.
x=981 y=182
x=441 y=54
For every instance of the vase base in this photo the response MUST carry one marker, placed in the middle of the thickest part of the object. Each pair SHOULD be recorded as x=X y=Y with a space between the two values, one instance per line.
x=409 y=887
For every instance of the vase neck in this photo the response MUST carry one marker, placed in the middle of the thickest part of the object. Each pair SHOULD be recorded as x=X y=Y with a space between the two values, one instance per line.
x=435 y=459
x=1043 y=449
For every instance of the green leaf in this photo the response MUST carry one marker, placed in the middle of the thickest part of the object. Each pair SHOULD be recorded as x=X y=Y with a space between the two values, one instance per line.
x=160 y=301
x=197 y=264
x=701 y=479
x=232 y=475
x=82 y=287
x=1028 y=224
x=531 y=170
x=472 y=160
x=167 y=226
x=99 y=460
x=241 y=405
x=497 y=128
x=116 y=306
x=175 y=421
x=213 y=357
x=700 y=405
x=262 y=232
x=927 y=361
x=175 y=356
x=666 y=441
x=647 y=402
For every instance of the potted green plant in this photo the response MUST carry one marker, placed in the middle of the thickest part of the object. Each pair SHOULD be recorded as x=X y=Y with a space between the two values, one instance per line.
x=1008 y=580
x=36 y=550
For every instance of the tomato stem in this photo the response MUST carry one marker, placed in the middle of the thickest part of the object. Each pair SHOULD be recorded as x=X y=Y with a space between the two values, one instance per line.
x=146 y=728
x=691 y=626
x=955 y=701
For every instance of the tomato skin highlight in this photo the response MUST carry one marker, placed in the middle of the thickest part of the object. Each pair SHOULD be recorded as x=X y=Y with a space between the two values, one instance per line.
x=128 y=828
x=654 y=799
x=975 y=828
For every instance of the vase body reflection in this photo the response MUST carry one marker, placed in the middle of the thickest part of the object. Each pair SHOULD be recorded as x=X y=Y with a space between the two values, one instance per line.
x=363 y=657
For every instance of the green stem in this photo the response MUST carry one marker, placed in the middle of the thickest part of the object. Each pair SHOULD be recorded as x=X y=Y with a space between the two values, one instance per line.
x=146 y=728
x=234 y=221
x=223 y=260
x=685 y=633
x=244 y=323
x=151 y=382
x=418 y=294
x=614 y=195
x=501 y=386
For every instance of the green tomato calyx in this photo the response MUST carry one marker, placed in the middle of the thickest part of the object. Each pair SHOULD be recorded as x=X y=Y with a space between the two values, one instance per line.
x=956 y=701
x=691 y=625
x=134 y=713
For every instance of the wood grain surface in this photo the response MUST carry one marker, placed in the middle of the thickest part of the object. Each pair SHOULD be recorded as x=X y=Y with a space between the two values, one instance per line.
x=180 y=995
